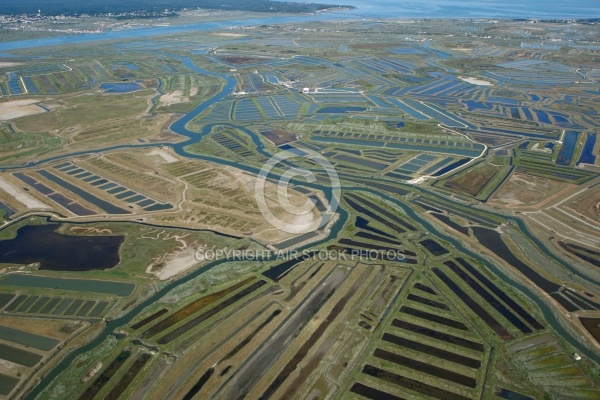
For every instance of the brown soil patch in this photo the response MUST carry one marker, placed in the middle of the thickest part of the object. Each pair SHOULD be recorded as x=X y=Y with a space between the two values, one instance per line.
x=279 y=137
x=587 y=204
x=240 y=60
x=19 y=108
x=174 y=97
x=593 y=326
x=473 y=181
x=39 y=326
x=526 y=190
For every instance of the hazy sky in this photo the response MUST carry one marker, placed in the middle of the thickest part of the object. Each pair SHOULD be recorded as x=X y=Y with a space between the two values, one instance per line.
x=472 y=8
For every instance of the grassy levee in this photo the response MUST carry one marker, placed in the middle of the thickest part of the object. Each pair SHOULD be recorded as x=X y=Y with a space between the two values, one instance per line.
x=192 y=308
x=85 y=110
x=108 y=373
x=18 y=147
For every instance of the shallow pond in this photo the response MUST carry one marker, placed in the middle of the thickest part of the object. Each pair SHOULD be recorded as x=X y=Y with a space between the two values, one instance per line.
x=58 y=252
x=125 y=87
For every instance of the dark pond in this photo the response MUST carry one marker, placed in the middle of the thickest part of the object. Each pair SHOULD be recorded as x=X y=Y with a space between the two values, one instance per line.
x=427 y=302
x=196 y=388
x=340 y=110
x=7 y=383
x=8 y=211
x=363 y=223
x=297 y=240
x=129 y=376
x=367 y=235
x=446 y=220
x=424 y=288
x=478 y=105
x=74 y=307
x=104 y=205
x=425 y=367
x=565 y=155
x=501 y=294
x=58 y=252
x=510 y=395
x=493 y=241
x=372 y=393
x=432 y=351
x=587 y=155
x=474 y=305
x=433 y=317
x=491 y=300
x=399 y=380
x=211 y=312
x=149 y=319
x=108 y=373
x=5 y=298
x=280 y=270
x=452 y=166
x=434 y=247
x=120 y=87
x=441 y=336
x=19 y=356
x=380 y=214
x=543 y=117
x=581 y=252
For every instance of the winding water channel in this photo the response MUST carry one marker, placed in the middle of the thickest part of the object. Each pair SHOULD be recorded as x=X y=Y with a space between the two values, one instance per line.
x=179 y=127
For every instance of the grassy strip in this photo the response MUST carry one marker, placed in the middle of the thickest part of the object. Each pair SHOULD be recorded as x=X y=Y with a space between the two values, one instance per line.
x=108 y=373
x=206 y=315
x=192 y=308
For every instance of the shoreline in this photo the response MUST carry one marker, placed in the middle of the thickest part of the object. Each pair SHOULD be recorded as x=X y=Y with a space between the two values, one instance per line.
x=250 y=19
